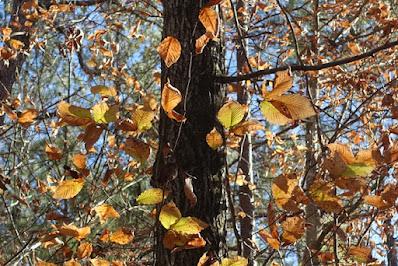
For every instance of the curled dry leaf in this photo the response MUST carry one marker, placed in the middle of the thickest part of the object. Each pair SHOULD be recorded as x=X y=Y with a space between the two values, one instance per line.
x=169 y=50
x=104 y=91
x=293 y=229
x=27 y=117
x=248 y=126
x=68 y=189
x=171 y=97
x=84 y=250
x=53 y=152
x=74 y=231
x=106 y=212
x=214 y=139
x=91 y=135
x=136 y=148
x=287 y=192
x=189 y=193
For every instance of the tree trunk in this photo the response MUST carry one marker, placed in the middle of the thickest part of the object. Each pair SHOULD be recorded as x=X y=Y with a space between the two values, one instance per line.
x=311 y=210
x=10 y=70
x=246 y=160
x=190 y=156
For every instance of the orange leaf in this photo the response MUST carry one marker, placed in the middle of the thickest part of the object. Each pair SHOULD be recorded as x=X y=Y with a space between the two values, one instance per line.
x=209 y=19
x=293 y=229
x=121 y=236
x=68 y=189
x=27 y=117
x=84 y=250
x=53 y=152
x=74 y=231
x=214 y=139
x=169 y=50
x=105 y=212
x=136 y=148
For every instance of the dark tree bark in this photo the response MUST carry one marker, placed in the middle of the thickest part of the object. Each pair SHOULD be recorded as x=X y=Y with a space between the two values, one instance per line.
x=191 y=157
x=10 y=70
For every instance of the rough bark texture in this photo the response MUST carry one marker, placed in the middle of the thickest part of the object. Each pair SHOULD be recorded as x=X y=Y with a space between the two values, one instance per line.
x=190 y=155
x=9 y=72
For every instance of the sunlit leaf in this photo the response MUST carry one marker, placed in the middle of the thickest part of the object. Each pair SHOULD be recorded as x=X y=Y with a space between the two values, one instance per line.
x=121 y=236
x=214 y=139
x=104 y=91
x=103 y=114
x=68 y=189
x=151 y=196
x=169 y=50
x=272 y=241
x=293 y=229
x=143 y=119
x=27 y=117
x=84 y=250
x=74 y=231
x=71 y=262
x=283 y=82
x=99 y=262
x=188 y=225
x=79 y=160
x=231 y=114
x=171 y=97
x=73 y=115
x=234 y=261
x=248 y=126
x=360 y=254
x=169 y=215
x=106 y=212
x=209 y=19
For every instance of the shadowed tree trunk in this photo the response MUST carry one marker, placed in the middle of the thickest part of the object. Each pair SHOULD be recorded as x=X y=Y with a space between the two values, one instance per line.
x=191 y=158
x=246 y=160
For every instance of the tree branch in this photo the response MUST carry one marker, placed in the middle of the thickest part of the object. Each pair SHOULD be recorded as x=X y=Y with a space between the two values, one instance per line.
x=297 y=67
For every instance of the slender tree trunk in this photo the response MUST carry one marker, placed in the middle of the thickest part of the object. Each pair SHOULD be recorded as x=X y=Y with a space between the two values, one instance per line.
x=246 y=160
x=311 y=210
x=191 y=158
x=391 y=246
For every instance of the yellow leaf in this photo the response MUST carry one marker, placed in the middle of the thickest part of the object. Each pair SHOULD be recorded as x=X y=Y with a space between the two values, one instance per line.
x=68 y=189
x=214 y=139
x=53 y=152
x=169 y=50
x=71 y=262
x=73 y=115
x=16 y=44
x=283 y=82
x=323 y=195
x=273 y=115
x=234 y=261
x=151 y=196
x=84 y=250
x=99 y=262
x=169 y=215
x=105 y=212
x=74 y=231
x=27 y=117
x=209 y=19
x=248 y=126
x=230 y=114
x=136 y=148
x=143 y=119
x=121 y=236
x=104 y=91
x=103 y=114
x=188 y=225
